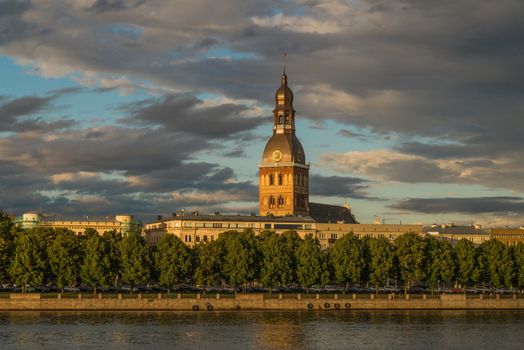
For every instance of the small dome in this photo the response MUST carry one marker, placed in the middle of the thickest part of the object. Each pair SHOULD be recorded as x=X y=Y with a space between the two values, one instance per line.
x=283 y=148
x=284 y=95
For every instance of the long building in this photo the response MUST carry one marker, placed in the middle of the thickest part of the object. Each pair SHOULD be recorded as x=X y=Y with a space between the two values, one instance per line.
x=123 y=224
x=195 y=228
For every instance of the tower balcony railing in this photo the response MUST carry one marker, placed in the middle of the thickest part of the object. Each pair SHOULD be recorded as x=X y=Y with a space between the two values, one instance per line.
x=283 y=164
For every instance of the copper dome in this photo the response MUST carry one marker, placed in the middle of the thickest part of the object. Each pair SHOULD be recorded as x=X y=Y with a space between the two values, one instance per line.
x=289 y=147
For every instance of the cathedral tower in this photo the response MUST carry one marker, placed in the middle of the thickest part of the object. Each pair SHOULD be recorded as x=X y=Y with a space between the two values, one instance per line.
x=284 y=174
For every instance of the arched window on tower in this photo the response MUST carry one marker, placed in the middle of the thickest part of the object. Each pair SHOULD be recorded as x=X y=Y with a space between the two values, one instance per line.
x=271 y=201
x=280 y=179
x=280 y=119
x=280 y=201
x=287 y=119
x=271 y=180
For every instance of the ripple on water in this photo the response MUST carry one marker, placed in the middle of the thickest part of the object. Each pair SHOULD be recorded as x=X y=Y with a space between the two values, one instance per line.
x=263 y=330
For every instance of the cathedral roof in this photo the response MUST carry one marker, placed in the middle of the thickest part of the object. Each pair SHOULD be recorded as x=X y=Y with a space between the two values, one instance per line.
x=287 y=146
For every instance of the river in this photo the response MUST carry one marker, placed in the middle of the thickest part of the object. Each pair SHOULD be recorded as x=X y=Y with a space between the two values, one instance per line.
x=263 y=330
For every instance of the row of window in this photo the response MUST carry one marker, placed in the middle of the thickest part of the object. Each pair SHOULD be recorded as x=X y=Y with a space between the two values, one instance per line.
x=188 y=238
x=279 y=201
x=199 y=224
x=284 y=179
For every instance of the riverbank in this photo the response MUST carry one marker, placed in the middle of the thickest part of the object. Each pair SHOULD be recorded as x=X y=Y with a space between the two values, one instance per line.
x=43 y=302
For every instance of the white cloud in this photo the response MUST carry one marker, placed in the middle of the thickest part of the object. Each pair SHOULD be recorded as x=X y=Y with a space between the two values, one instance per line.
x=299 y=24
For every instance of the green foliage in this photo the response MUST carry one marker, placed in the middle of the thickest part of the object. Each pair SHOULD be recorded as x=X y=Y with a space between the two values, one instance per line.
x=497 y=262
x=440 y=263
x=65 y=256
x=97 y=268
x=348 y=259
x=292 y=241
x=410 y=251
x=43 y=255
x=381 y=259
x=277 y=261
x=173 y=261
x=518 y=256
x=468 y=269
x=135 y=260
x=6 y=245
x=208 y=260
x=241 y=257
x=90 y=232
x=312 y=263
x=29 y=265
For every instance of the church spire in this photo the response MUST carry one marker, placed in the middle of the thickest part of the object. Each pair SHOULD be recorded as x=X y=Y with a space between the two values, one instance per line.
x=284 y=114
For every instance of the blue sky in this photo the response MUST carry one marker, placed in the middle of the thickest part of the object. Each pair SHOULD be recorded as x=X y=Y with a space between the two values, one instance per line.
x=410 y=111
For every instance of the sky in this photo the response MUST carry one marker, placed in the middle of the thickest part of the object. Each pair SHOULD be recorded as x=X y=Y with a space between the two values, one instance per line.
x=408 y=110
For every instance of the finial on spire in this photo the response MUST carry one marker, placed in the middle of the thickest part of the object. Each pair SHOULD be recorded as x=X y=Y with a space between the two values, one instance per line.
x=284 y=76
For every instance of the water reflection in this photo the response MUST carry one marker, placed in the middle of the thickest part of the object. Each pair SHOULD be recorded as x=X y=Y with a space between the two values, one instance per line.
x=342 y=329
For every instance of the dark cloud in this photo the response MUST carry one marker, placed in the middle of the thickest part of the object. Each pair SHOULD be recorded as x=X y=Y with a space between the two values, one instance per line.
x=352 y=134
x=475 y=206
x=13 y=7
x=339 y=186
x=114 y=5
x=186 y=113
x=12 y=111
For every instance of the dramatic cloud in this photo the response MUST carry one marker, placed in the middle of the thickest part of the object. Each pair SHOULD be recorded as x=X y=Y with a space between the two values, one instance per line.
x=481 y=205
x=338 y=186
x=13 y=111
x=436 y=87
x=186 y=113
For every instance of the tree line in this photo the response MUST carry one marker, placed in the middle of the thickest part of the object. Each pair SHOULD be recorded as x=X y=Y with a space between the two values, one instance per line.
x=44 y=256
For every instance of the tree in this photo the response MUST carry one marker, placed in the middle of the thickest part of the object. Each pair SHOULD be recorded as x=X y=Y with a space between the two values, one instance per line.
x=498 y=263
x=440 y=263
x=97 y=266
x=29 y=262
x=292 y=241
x=208 y=263
x=113 y=240
x=240 y=258
x=518 y=256
x=381 y=259
x=276 y=267
x=135 y=260
x=312 y=264
x=348 y=259
x=5 y=257
x=173 y=260
x=89 y=232
x=468 y=269
x=8 y=230
x=65 y=256
x=410 y=251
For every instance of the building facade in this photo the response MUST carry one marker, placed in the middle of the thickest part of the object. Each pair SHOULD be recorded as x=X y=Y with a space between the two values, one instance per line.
x=283 y=171
x=195 y=228
x=454 y=233
x=123 y=224
x=509 y=236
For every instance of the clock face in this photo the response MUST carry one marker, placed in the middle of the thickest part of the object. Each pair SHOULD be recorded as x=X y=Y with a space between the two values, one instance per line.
x=277 y=155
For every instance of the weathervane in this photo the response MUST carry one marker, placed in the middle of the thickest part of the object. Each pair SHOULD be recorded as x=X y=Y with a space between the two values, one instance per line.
x=284 y=64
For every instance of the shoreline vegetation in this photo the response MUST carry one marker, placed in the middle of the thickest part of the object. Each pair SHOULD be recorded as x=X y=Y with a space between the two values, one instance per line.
x=57 y=260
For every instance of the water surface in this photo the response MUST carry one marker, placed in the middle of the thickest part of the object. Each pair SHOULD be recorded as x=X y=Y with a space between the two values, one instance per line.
x=342 y=329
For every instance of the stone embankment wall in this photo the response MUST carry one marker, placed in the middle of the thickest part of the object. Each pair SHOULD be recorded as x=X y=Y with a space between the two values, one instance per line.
x=257 y=302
